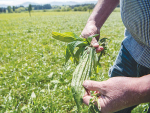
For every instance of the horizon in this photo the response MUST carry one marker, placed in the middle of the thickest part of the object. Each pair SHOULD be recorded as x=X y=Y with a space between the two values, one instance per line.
x=18 y=2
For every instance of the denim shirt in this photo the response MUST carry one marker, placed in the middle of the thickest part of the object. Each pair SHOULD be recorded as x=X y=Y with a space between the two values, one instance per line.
x=136 y=18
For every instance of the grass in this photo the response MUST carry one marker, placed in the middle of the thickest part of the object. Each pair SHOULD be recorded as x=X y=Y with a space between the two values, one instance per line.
x=33 y=76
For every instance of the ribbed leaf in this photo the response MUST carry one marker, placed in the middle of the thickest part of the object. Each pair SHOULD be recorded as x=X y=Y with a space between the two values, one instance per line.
x=78 y=53
x=94 y=60
x=76 y=84
x=65 y=37
x=81 y=73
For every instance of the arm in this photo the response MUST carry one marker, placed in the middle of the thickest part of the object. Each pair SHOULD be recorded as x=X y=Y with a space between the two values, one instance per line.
x=99 y=15
x=119 y=92
x=101 y=12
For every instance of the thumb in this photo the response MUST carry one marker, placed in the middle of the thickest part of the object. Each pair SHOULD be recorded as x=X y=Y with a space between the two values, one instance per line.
x=95 y=44
x=92 y=85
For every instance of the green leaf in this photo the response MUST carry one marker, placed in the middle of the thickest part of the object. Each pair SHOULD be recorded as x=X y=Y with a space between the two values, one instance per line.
x=68 y=53
x=83 y=44
x=70 y=48
x=78 y=53
x=65 y=37
x=89 y=39
x=94 y=60
x=95 y=35
x=103 y=40
x=74 y=35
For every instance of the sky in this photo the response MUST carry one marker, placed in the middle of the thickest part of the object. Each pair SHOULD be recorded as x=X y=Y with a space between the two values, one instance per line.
x=16 y=2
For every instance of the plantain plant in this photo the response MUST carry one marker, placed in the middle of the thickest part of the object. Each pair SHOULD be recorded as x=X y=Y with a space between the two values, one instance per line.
x=86 y=59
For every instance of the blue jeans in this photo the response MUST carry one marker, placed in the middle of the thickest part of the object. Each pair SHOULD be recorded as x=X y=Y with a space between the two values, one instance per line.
x=125 y=65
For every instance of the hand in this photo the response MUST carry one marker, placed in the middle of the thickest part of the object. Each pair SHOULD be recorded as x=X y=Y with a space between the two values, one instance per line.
x=116 y=93
x=89 y=30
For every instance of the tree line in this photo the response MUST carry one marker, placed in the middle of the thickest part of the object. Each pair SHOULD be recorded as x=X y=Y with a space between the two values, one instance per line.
x=22 y=8
x=41 y=7
x=90 y=6
x=18 y=9
x=10 y=9
x=82 y=7
x=2 y=10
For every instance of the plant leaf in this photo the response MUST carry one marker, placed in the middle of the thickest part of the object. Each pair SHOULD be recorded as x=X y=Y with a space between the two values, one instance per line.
x=65 y=37
x=103 y=40
x=74 y=35
x=95 y=61
x=89 y=39
x=95 y=35
x=78 y=53
x=70 y=48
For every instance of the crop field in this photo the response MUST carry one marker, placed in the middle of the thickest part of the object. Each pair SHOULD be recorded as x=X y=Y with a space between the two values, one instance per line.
x=33 y=75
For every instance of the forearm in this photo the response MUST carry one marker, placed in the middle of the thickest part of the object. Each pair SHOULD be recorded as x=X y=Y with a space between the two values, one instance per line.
x=101 y=11
x=139 y=90
x=143 y=89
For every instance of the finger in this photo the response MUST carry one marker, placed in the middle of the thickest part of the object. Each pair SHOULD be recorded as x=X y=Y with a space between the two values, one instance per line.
x=96 y=92
x=99 y=49
x=84 y=36
x=94 y=43
x=92 y=85
x=86 y=99
x=87 y=92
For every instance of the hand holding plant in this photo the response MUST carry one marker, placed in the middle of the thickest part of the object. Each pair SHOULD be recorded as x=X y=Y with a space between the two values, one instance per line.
x=86 y=59
x=116 y=93
x=89 y=30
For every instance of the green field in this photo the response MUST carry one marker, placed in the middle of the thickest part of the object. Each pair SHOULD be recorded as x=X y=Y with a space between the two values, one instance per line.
x=33 y=74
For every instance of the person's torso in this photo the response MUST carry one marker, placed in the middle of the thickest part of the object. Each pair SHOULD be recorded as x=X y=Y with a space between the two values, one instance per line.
x=136 y=18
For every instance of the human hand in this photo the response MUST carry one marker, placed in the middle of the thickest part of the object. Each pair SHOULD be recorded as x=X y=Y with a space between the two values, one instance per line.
x=116 y=93
x=89 y=30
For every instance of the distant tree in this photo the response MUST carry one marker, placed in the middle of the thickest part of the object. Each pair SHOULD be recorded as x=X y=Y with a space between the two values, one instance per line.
x=4 y=10
x=85 y=8
x=30 y=9
x=69 y=9
x=14 y=8
x=47 y=6
x=63 y=9
x=37 y=7
x=9 y=9
x=75 y=9
x=20 y=9
x=0 y=10
x=90 y=7
x=79 y=8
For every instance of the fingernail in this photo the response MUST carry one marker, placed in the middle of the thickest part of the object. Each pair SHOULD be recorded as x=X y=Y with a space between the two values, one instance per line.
x=95 y=44
x=101 y=47
x=85 y=84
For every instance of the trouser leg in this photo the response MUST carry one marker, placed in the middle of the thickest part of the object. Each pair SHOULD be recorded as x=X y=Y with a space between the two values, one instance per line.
x=148 y=110
x=126 y=110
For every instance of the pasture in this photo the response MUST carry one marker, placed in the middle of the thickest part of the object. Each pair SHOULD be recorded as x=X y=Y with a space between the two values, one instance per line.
x=33 y=74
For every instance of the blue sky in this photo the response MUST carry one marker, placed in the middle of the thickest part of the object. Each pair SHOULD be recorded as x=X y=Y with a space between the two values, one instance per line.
x=16 y=2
